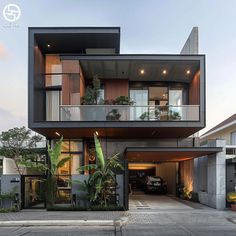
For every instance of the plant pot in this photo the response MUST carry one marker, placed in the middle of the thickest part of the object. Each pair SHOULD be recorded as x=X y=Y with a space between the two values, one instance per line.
x=233 y=207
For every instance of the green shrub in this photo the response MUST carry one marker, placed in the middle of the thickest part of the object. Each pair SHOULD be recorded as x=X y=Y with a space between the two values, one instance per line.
x=6 y=210
x=231 y=197
x=91 y=208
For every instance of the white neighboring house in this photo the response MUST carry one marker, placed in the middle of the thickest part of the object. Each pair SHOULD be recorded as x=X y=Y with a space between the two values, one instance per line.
x=7 y=166
x=225 y=130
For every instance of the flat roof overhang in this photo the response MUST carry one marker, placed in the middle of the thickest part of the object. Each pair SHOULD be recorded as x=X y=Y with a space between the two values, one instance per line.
x=167 y=154
x=128 y=66
x=75 y=39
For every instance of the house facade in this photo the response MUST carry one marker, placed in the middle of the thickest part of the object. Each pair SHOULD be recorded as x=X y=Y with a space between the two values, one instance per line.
x=149 y=108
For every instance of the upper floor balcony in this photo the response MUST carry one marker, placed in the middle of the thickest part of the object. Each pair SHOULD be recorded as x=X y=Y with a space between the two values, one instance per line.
x=168 y=91
x=128 y=113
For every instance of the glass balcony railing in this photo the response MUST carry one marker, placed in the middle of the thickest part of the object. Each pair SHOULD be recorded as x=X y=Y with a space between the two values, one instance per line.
x=128 y=113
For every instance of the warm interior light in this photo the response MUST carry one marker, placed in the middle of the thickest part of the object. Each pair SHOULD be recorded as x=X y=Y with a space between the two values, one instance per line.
x=57 y=134
x=96 y=133
x=164 y=72
x=188 y=72
x=142 y=71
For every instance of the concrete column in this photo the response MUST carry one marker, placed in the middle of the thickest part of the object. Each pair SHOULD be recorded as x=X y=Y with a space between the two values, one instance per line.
x=216 y=176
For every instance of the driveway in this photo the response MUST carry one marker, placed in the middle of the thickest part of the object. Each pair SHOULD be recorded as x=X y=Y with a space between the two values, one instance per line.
x=166 y=215
x=149 y=202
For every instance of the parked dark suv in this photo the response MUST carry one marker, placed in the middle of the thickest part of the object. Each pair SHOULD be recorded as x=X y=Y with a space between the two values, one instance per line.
x=155 y=184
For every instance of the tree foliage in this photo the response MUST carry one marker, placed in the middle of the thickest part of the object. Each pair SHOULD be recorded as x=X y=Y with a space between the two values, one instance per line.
x=101 y=182
x=56 y=162
x=92 y=93
x=18 y=144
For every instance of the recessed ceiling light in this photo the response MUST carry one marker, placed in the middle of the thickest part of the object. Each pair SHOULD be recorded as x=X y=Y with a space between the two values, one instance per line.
x=164 y=72
x=188 y=72
x=142 y=71
x=57 y=134
x=48 y=45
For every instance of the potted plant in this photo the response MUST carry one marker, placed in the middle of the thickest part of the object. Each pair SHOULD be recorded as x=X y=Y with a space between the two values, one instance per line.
x=151 y=115
x=92 y=93
x=174 y=115
x=231 y=198
x=124 y=100
x=113 y=115
x=144 y=116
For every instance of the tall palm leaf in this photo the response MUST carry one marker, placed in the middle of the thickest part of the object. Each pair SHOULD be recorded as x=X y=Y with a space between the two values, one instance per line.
x=99 y=152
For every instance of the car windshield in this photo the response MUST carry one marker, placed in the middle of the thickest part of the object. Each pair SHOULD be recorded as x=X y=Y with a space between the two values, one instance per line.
x=154 y=178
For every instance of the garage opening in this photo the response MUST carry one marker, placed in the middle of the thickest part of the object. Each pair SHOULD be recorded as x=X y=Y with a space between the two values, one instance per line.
x=152 y=178
x=155 y=175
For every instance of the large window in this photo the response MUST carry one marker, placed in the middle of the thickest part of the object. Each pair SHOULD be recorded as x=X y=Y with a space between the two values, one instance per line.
x=233 y=138
x=140 y=97
x=74 y=149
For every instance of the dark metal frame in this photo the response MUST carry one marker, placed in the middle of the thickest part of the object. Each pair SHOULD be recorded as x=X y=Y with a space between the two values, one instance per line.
x=23 y=191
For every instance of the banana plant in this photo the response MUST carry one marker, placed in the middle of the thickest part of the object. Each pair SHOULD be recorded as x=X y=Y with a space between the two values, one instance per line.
x=56 y=162
x=54 y=155
x=102 y=179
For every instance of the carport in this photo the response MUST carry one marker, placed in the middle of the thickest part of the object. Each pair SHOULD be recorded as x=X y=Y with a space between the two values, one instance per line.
x=169 y=163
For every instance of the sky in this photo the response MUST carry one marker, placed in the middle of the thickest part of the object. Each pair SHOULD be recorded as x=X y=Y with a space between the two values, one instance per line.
x=150 y=26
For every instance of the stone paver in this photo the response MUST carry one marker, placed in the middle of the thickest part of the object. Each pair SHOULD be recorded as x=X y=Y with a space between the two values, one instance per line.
x=155 y=202
x=62 y=215
x=164 y=215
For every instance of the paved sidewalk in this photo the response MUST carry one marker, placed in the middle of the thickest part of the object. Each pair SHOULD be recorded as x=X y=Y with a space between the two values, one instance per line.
x=168 y=216
x=61 y=215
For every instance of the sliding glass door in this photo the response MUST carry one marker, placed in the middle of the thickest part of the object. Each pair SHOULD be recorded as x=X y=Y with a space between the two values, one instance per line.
x=175 y=103
x=140 y=97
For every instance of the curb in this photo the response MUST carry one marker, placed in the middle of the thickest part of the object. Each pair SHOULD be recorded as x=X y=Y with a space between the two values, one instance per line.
x=114 y=223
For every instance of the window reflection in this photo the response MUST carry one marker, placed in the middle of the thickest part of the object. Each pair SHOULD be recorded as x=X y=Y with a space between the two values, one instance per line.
x=76 y=146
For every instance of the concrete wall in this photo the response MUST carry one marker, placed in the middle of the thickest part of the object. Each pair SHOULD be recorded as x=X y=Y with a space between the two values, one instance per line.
x=213 y=171
x=9 y=167
x=10 y=183
x=191 y=45
x=111 y=146
x=187 y=174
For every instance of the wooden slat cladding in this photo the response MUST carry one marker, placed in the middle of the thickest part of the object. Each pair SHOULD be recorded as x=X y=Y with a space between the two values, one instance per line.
x=70 y=82
x=50 y=61
x=39 y=95
x=116 y=88
x=82 y=82
x=194 y=90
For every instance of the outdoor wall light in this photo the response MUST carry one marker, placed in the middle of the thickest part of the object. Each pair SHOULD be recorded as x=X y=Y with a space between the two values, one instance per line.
x=142 y=72
x=48 y=45
x=96 y=133
x=188 y=72
x=57 y=134
x=164 y=72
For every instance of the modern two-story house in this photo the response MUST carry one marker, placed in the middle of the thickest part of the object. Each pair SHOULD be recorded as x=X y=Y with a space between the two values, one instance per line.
x=149 y=108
